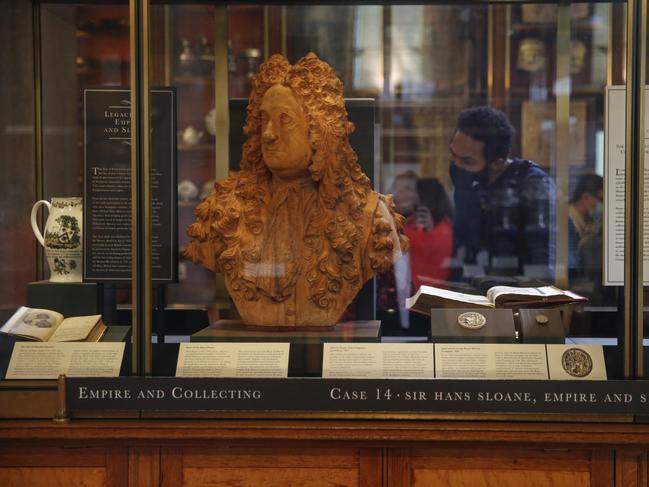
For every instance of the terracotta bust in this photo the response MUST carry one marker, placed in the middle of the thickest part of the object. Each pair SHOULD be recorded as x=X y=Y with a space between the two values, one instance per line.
x=298 y=230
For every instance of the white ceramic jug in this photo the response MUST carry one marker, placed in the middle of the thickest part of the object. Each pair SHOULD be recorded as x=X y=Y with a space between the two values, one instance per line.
x=62 y=241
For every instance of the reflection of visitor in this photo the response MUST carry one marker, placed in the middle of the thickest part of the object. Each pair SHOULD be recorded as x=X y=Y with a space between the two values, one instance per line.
x=504 y=206
x=429 y=227
x=430 y=230
x=585 y=211
x=404 y=192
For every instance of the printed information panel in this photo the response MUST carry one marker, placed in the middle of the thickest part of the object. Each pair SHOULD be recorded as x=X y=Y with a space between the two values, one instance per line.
x=107 y=185
x=233 y=360
x=358 y=395
x=614 y=187
x=490 y=361
x=378 y=360
x=31 y=360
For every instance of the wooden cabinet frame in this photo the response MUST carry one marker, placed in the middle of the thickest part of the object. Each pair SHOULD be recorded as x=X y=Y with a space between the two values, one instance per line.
x=166 y=453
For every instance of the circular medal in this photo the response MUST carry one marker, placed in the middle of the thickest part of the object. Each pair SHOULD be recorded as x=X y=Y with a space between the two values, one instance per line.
x=577 y=362
x=542 y=319
x=471 y=320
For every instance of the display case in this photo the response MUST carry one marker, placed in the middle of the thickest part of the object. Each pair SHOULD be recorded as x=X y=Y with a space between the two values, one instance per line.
x=313 y=209
x=316 y=244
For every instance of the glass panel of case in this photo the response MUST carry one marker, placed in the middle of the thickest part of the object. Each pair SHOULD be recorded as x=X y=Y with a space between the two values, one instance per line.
x=489 y=197
x=642 y=356
x=59 y=72
x=486 y=123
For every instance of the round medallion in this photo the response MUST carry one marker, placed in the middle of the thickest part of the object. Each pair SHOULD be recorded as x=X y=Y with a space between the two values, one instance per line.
x=471 y=320
x=577 y=362
x=542 y=319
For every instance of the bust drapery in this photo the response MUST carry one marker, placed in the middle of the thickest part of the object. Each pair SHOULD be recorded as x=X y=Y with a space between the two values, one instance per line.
x=298 y=230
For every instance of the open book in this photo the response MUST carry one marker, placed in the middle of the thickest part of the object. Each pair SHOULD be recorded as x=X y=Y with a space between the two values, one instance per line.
x=428 y=297
x=45 y=325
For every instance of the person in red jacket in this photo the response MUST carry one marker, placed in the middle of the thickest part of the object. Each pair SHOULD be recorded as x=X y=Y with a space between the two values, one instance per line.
x=429 y=226
x=430 y=230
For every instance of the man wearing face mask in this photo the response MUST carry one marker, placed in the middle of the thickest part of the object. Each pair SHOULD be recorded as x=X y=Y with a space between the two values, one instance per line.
x=585 y=223
x=504 y=206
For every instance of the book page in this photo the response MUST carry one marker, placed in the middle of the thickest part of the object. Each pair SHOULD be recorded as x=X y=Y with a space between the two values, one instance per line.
x=540 y=292
x=34 y=323
x=445 y=294
x=75 y=329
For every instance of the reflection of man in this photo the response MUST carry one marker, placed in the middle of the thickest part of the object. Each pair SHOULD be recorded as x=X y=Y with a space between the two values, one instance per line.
x=298 y=230
x=504 y=206
x=585 y=223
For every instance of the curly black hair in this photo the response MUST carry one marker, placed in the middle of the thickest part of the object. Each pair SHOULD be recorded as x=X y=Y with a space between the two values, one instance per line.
x=489 y=126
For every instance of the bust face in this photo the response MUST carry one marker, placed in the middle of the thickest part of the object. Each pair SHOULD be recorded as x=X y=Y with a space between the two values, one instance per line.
x=531 y=55
x=577 y=56
x=285 y=143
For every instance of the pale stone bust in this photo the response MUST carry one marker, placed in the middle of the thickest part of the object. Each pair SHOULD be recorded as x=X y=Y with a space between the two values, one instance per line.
x=298 y=231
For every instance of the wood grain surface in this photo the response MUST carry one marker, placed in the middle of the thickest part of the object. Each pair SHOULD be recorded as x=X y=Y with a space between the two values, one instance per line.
x=52 y=477
x=147 y=453
x=270 y=477
x=499 y=478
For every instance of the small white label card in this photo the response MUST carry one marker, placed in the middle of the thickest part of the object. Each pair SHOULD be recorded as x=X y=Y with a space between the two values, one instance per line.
x=378 y=360
x=35 y=360
x=233 y=359
x=490 y=361
x=576 y=362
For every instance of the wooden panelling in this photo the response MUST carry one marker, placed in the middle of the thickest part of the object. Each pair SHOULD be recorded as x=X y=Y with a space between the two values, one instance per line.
x=270 y=477
x=500 y=478
x=487 y=465
x=37 y=456
x=271 y=465
x=397 y=467
x=277 y=457
x=175 y=453
x=70 y=465
x=501 y=458
x=631 y=468
x=370 y=468
x=171 y=467
x=52 y=477
x=602 y=468
x=117 y=466
x=144 y=467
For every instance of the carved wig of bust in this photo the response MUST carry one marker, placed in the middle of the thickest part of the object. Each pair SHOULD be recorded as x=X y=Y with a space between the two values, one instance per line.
x=298 y=230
